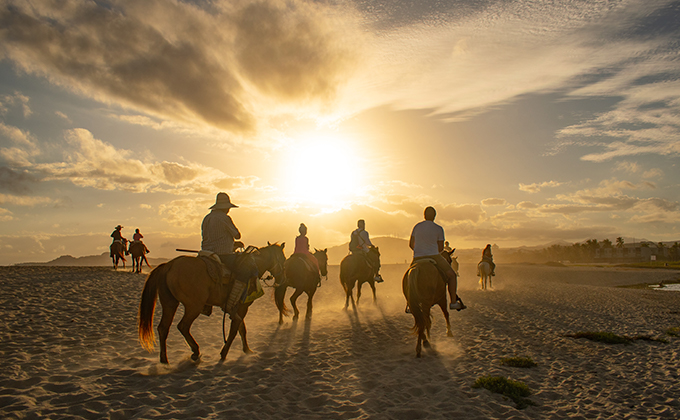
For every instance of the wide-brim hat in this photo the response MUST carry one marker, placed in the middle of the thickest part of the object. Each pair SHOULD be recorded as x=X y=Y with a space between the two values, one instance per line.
x=222 y=202
x=119 y=227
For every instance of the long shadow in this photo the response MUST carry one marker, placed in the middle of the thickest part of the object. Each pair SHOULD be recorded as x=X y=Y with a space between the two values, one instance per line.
x=393 y=382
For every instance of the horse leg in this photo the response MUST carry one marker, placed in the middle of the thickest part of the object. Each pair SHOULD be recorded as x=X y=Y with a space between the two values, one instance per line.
x=293 y=299
x=169 y=305
x=184 y=326
x=372 y=284
x=359 y=286
x=445 y=311
x=242 y=333
x=233 y=329
x=310 y=297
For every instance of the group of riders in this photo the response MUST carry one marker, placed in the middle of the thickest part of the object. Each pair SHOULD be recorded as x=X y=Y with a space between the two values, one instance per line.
x=219 y=234
x=118 y=238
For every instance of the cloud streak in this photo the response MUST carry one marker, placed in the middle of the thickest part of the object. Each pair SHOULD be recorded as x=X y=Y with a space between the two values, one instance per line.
x=176 y=60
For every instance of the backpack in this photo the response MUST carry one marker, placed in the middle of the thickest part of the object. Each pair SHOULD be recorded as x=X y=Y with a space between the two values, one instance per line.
x=356 y=242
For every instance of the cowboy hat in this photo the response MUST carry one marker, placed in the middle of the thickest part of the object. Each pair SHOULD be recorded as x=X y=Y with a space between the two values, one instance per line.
x=222 y=202
x=119 y=227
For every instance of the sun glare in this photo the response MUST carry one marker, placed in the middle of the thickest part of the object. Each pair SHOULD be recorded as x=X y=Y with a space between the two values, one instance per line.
x=322 y=169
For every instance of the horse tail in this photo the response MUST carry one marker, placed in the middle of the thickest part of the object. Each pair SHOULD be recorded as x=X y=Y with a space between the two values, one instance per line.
x=147 y=305
x=422 y=321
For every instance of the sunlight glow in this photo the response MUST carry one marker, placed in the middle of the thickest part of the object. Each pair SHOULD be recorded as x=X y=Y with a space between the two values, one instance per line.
x=322 y=169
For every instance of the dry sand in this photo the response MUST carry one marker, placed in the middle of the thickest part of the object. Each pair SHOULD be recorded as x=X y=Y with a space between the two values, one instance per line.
x=69 y=350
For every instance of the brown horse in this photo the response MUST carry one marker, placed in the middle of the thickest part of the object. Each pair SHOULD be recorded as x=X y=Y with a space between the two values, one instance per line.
x=300 y=275
x=138 y=252
x=355 y=269
x=423 y=288
x=186 y=280
x=118 y=252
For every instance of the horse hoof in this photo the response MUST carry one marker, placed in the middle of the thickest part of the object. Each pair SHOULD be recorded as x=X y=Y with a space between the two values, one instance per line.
x=449 y=334
x=426 y=344
x=248 y=351
x=195 y=357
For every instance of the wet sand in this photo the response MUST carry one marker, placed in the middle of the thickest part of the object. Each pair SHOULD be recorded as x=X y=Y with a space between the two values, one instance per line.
x=69 y=349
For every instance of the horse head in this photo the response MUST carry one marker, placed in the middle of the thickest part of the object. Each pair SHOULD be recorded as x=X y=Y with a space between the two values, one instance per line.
x=271 y=258
x=322 y=257
x=374 y=255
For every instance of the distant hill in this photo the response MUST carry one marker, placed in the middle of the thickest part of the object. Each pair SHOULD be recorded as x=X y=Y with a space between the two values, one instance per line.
x=102 y=260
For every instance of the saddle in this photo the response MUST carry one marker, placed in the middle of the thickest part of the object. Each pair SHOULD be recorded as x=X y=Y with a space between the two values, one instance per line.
x=305 y=260
x=427 y=260
x=217 y=271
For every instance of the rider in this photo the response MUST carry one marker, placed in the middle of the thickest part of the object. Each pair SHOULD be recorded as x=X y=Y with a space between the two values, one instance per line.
x=359 y=244
x=447 y=247
x=302 y=248
x=219 y=232
x=137 y=237
x=427 y=241
x=488 y=257
x=117 y=236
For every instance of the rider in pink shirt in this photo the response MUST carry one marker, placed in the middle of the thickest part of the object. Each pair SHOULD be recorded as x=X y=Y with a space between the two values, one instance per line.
x=302 y=248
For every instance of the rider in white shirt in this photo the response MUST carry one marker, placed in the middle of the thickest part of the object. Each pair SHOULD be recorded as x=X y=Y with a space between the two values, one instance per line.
x=427 y=241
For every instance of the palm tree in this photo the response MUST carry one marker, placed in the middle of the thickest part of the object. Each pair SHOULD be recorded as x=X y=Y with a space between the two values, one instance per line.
x=619 y=242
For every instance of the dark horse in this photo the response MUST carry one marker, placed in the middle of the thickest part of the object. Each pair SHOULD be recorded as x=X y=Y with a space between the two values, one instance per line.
x=118 y=252
x=299 y=274
x=424 y=287
x=186 y=280
x=138 y=252
x=355 y=269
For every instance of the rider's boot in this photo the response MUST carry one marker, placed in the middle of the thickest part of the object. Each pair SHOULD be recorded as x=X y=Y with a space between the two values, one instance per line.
x=234 y=299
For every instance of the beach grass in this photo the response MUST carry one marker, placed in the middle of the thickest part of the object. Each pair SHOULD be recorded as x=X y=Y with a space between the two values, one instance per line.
x=515 y=390
x=673 y=331
x=521 y=362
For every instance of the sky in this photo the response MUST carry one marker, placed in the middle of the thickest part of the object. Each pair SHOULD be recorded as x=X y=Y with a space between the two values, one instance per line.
x=521 y=122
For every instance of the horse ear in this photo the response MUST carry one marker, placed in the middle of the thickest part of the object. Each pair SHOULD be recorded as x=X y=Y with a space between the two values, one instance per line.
x=325 y=250
x=316 y=250
x=283 y=245
x=268 y=244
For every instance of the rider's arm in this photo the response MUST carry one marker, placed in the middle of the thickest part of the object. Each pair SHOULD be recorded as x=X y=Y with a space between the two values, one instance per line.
x=233 y=230
x=440 y=246
x=412 y=242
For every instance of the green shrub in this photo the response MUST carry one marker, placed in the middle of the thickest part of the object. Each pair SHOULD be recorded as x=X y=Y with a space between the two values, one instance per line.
x=674 y=331
x=516 y=391
x=602 y=337
x=521 y=362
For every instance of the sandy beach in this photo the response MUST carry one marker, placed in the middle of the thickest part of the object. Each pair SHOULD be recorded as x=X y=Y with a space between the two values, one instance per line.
x=69 y=349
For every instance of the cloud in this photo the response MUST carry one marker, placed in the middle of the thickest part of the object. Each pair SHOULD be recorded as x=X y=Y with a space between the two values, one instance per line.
x=536 y=187
x=15 y=181
x=90 y=162
x=8 y=101
x=653 y=173
x=22 y=146
x=23 y=200
x=180 y=62
x=63 y=116
x=5 y=215
x=629 y=167
x=494 y=202
x=527 y=205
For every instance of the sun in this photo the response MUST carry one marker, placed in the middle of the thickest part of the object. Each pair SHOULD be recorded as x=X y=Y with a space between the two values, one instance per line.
x=322 y=169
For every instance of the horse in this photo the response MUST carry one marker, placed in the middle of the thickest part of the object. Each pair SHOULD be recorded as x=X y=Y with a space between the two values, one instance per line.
x=186 y=280
x=355 y=269
x=138 y=252
x=484 y=274
x=118 y=252
x=300 y=275
x=424 y=287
